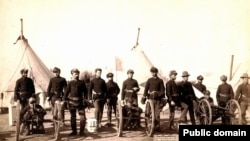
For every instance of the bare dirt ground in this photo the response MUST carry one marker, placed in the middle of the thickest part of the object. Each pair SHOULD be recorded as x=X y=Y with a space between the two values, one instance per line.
x=7 y=133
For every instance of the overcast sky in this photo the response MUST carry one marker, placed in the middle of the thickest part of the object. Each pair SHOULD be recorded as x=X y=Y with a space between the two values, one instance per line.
x=193 y=35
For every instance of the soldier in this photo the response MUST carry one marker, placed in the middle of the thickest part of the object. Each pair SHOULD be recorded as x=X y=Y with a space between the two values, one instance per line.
x=173 y=97
x=201 y=87
x=55 y=89
x=97 y=93
x=130 y=87
x=243 y=96
x=76 y=94
x=224 y=93
x=187 y=97
x=155 y=91
x=24 y=88
x=112 y=92
x=32 y=113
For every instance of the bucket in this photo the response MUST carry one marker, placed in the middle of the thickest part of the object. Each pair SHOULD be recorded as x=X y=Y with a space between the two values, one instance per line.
x=12 y=115
x=91 y=125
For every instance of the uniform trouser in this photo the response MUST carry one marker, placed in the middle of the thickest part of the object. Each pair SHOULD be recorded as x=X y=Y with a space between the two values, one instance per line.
x=53 y=100
x=24 y=100
x=99 y=105
x=111 y=105
x=156 y=104
x=187 y=107
x=244 y=103
x=224 y=118
x=81 y=112
x=171 y=114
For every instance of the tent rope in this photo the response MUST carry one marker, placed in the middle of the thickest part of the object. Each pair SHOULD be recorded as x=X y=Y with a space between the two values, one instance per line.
x=15 y=69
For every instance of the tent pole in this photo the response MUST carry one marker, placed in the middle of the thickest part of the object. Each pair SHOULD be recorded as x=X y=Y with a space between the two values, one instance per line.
x=231 y=68
x=21 y=28
x=137 y=40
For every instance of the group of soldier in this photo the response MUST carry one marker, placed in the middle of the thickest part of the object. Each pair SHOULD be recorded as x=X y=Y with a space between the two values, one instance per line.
x=79 y=94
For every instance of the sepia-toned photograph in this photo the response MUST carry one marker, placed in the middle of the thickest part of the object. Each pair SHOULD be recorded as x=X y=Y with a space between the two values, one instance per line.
x=123 y=70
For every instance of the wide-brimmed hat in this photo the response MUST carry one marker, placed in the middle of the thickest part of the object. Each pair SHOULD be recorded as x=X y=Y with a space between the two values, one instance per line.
x=244 y=75
x=185 y=73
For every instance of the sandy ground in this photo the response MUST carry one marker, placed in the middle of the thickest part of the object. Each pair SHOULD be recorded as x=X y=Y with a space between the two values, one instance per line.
x=7 y=133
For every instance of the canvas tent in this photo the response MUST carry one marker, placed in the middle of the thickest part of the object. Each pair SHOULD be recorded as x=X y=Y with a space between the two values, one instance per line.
x=23 y=56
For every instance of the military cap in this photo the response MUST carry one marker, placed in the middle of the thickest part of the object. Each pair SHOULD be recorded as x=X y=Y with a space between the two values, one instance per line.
x=173 y=72
x=185 y=73
x=223 y=78
x=207 y=92
x=153 y=69
x=56 y=69
x=130 y=71
x=244 y=75
x=200 y=77
x=110 y=75
x=75 y=70
x=24 y=71
x=98 y=69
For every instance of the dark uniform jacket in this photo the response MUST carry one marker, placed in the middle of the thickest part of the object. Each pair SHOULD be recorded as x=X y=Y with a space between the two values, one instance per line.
x=76 y=92
x=186 y=90
x=224 y=93
x=97 y=89
x=56 y=87
x=28 y=112
x=129 y=84
x=172 y=91
x=154 y=84
x=201 y=87
x=243 y=92
x=112 y=89
x=25 y=86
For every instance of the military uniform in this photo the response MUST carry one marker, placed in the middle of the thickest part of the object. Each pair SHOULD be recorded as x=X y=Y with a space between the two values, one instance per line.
x=55 y=89
x=24 y=89
x=76 y=94
x=201 y=87
x=187 y=98
x=112 y=92
x=173 y=95
x=128 y=92
x=155 y=91
x=33 y=114
x=97 y=92
x=224 y=93
x=243 y=96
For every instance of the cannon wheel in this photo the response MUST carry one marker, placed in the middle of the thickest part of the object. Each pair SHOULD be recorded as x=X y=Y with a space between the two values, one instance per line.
x=119 y=117
x=204 y=112
x=234 y=110
x=149 y=118
x=18 y=122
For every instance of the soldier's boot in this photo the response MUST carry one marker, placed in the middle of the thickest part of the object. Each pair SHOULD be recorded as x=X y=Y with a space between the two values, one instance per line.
x=26 y=129
x=82 y=127
x=171 y=121
x=73 y=128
